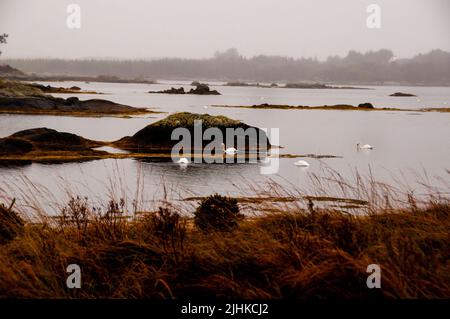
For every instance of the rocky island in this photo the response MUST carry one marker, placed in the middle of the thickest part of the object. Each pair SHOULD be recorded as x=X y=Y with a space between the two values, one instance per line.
x=156 y=137
x=62 y=90
x=401 y=94
x=43 y=144
x=24 y=98
x=300 y=85
x=200 y=89
x=153 y=141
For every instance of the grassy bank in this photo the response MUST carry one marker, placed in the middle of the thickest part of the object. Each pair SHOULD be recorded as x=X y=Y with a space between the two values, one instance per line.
x=339 y=107
x=293 y=253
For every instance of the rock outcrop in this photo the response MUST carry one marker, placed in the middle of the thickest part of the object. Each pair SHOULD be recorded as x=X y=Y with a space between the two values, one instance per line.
x=155 y=140
x=53 y=89
x=24 y=98
x=156 y=137
x=201 y=89
x=401 y=94
x=366 y=105
x=45 y=140
x=70 y=106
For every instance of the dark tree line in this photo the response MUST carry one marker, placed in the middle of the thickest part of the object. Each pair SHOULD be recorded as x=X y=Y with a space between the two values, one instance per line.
x=3 y=39
x=376 y=67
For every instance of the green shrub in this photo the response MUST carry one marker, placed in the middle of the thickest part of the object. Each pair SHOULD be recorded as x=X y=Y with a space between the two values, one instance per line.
x=218 y=213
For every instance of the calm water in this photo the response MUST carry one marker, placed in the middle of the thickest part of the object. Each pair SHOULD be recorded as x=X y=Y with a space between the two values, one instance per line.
x=406 y=143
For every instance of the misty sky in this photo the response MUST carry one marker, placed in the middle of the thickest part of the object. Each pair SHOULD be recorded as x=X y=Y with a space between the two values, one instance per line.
x=198 y=28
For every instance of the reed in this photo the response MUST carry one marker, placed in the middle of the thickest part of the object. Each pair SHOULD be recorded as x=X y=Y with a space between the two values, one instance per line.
x=303 y=248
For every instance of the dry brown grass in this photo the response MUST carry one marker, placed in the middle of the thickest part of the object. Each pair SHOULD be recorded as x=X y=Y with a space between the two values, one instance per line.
x=299 y=253
x=291 y=244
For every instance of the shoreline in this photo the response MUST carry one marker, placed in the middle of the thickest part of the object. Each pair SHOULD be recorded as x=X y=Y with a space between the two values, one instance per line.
x=70 y=157
x=123 y=115
x=343 y=107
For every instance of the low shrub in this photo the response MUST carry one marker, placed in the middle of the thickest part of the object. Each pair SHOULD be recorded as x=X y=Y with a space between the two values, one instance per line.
x=217 y=213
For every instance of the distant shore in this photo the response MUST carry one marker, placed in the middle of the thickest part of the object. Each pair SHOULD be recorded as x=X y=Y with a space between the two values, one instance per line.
x=340 y=107
x=380 y=67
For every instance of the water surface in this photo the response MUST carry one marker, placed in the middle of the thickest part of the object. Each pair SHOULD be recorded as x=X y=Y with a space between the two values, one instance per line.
x=406 y=143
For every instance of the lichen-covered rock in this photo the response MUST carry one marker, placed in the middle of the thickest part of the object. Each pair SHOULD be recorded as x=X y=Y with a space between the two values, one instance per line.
x=156 y=137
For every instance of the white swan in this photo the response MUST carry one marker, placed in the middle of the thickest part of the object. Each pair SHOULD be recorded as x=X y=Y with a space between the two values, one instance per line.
x=183 y=160
x=301 y=163
x=229 y=151
x=364 y=147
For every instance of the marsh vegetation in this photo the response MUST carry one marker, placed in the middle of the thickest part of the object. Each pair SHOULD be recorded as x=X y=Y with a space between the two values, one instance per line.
x=214 y=248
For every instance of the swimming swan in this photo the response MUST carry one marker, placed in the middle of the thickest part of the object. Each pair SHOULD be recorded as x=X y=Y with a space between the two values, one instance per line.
x=301 y=163
x=183 y=160
x=364 y=147
x=229 y=151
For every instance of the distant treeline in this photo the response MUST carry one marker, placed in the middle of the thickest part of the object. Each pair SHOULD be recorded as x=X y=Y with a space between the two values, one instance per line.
x=376 y=67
